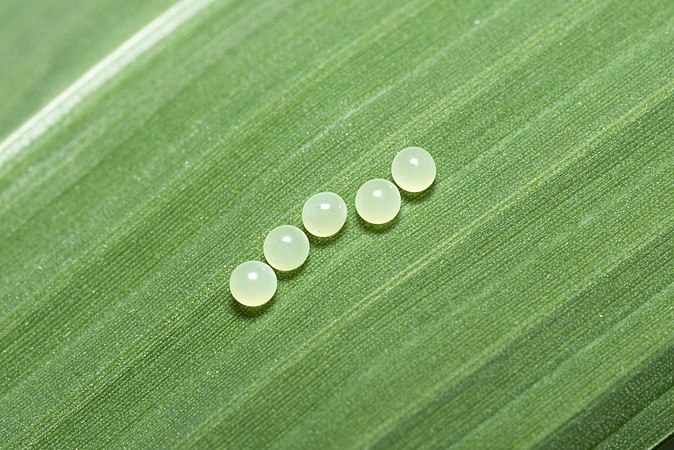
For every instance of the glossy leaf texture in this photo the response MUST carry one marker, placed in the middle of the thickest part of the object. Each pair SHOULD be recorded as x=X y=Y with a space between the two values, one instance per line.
x=525 y=301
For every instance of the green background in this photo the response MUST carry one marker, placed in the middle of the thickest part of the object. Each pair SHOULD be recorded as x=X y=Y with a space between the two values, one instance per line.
x=526 y=300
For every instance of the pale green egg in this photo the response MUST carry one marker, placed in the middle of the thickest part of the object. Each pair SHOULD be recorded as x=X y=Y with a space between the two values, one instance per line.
x=378 y=201
x=286 y=247
x=252 y=283
x=324 y=214
x=413 y=169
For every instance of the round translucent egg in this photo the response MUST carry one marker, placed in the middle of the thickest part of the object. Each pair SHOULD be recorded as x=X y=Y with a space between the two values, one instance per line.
x=378 y=201
x=324 y=214
x=286 y=247
x=413 y=169
x=252 y=283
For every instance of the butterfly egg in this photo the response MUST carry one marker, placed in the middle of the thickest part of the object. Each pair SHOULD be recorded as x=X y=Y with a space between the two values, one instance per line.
x=413 y=169
x=286 y=247
x=252 y=283
x=324 y=214
x=378 y=201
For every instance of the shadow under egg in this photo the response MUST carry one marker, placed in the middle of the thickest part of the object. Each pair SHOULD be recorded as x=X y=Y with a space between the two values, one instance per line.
x=249 y=312
x=317 y=241
x=376 y=228
x=418 y=197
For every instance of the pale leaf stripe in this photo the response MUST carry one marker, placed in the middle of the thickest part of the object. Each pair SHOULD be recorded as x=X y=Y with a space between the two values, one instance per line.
x=95 y=77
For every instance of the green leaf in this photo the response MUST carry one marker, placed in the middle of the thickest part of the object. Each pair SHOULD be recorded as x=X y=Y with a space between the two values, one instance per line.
x=45 y=45
x=526 y=300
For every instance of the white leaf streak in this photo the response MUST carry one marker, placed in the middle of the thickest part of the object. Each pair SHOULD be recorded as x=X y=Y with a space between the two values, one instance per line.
x=107 y=68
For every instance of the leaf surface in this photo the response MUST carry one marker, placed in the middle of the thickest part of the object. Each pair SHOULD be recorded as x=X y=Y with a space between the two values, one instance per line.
x=526 y=300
